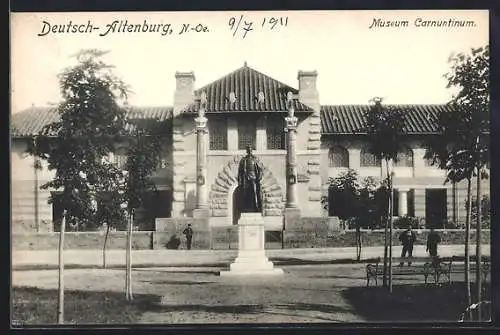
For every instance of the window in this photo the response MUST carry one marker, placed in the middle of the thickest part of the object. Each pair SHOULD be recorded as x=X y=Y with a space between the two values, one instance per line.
x=247 y=133
x=395 y=202
x=368 y=159
x=275 y=131
x=405 y=158
x=410 y=203
x=338 y=157
x=217 y=132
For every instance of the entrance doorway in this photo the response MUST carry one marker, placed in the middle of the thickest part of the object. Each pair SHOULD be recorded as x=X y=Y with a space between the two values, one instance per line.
x=435 y=207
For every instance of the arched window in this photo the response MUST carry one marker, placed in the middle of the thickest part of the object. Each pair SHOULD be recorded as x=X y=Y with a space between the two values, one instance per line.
x=405 y=158
x=338 y=157
x=368 y=159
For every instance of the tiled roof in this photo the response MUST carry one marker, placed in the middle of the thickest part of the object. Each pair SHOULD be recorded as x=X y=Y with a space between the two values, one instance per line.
x=350 y=119
x=246 y=84
x=335 y=119
x=31 y=121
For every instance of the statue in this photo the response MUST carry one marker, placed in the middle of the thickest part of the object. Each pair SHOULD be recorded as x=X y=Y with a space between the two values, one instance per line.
x=249 y=176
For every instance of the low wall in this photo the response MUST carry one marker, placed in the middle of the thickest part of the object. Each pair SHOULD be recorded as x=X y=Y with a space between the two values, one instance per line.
x=81 y=240
x=370 y=238
x=226 y=238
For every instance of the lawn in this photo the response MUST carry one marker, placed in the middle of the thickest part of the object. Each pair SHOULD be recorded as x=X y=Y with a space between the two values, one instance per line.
x=316 y=293
x=39 y=306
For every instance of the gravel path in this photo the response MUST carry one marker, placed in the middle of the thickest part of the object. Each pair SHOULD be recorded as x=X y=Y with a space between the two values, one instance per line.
x=306 y=293
x=199 y=295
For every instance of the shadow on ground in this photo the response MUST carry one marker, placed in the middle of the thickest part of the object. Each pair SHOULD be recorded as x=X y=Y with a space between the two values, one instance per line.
x=34 y=306
x=176 y=282
x=298 y=261
x=177 y=271
x=231 y=309
x=323 y=308
x=412 y=303
x=283 y=261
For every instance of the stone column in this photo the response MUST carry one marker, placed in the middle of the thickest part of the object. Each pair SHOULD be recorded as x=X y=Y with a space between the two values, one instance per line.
x=403 y=202
x=201 y=161
x=291 y=129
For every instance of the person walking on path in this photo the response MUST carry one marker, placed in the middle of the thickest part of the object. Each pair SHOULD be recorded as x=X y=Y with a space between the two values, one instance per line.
x=433 y=239
x=189 y=235
x=407 y=238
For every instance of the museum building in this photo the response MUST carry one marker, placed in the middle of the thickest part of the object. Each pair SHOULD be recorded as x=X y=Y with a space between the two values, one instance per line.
x=299 y=143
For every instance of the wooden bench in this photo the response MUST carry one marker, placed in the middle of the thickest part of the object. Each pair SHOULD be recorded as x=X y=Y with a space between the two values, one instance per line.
x=375 y=270
x=440 y=268
x=458 y=265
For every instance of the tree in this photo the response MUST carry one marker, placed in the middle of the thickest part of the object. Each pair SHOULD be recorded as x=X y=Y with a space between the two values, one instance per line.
x=110 y=200
x=385 y=130
x=143 y=157
x=343 y=192
x=369 y=213
x=92 y=122
x=485 y=211
x=354 y=203
x=462 y=144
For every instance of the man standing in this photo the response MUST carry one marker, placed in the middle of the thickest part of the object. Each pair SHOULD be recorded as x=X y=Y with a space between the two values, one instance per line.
x=249 y=175
x=433 y=239
x=189 y=235
x=407 y=238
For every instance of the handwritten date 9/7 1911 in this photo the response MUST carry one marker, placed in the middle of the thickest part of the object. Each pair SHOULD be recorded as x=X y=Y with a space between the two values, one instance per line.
x=241 y=24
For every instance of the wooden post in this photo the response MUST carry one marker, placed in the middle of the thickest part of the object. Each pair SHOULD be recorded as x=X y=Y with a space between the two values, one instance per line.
x=60 y=302
x=386 y=250
x=127 y=257
x=36 y=163
x=391 y=204
x=478 y=243
x=467 y=245
x=129 y=295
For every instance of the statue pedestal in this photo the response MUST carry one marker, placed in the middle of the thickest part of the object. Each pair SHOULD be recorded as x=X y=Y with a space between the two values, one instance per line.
x=251 y=259
x=201 y=213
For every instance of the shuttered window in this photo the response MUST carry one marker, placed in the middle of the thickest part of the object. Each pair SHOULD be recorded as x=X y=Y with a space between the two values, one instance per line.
x=338 y=157
x=247 y=133
x=368 y=159
x=275 y=132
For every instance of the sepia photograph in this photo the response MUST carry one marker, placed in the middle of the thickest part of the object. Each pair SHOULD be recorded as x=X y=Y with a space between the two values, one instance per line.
x=250 y=167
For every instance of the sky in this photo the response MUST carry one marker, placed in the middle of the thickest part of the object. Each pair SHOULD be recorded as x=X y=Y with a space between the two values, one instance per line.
x=354 y=62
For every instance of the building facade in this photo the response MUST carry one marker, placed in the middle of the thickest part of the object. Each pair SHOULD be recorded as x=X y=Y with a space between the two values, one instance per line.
x=247 y=107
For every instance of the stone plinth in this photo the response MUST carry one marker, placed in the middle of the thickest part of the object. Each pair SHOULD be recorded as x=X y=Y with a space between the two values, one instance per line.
x=292 y=217
x=251 y=259
x=201 y=213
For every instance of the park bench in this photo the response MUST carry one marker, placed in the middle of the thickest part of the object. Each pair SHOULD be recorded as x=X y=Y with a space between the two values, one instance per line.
x=375 y=270
x=458 y=265
x=440 y=268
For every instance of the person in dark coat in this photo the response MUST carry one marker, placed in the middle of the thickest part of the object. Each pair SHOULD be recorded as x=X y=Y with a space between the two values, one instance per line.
x=249 y=177
x=407 y=238
x=189 y=235
x=433 y=239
